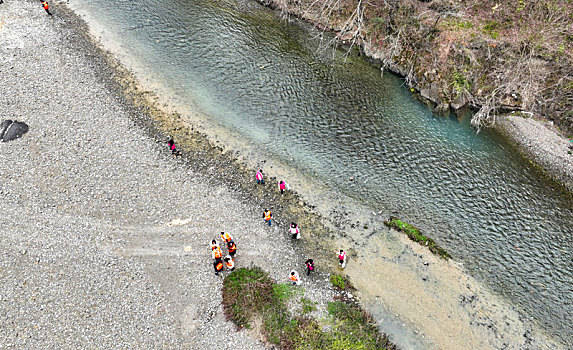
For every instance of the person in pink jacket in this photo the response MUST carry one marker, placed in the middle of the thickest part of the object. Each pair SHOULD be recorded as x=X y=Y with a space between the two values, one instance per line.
x=282 y=186
x=259 y=177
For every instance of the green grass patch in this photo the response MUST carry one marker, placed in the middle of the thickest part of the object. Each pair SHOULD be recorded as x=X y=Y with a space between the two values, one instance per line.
x=249 y=293
x=339 y=281
x=284 y=291
x=456 y=24
x=245 y=291
x=490 y=28
x=354 y=328
x=459 y=82
x=415 y=235
x=307 y=306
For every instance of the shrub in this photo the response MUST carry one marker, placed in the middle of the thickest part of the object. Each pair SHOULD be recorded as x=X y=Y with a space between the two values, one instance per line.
x=308 y=306
x=244 y=292
x=249 y=292
x=338 y=281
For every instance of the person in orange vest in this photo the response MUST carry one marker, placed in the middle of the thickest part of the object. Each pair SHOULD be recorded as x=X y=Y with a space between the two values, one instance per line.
x=259 y=177
x=216 y=253
x=268 y=216
x=214 y=244
x=232 y=248
x=295 y=279
x=229 y=262
x=218 y=265
x=342 y=258
x=46 y=7
x=226 y=237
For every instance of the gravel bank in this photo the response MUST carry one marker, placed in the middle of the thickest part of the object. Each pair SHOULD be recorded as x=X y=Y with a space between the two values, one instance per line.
x=541 y=142
x=86 y=257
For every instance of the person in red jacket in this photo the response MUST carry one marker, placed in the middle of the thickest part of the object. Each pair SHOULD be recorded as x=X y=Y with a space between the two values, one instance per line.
x=342 y=258
x=309 y=266
x=173 y=149
x=259 y=177
x=46 y=7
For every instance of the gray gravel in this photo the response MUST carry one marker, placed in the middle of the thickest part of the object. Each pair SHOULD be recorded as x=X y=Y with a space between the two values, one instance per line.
x=87 y=259
x=541 y=141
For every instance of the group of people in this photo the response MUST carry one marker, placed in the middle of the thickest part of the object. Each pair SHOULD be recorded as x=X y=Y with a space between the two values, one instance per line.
x=217 y=253
x=295 y=233
x=295 y=278
x=309 y=263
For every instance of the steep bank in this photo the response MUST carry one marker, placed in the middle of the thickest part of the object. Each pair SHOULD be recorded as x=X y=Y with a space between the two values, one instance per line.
x=491 y=57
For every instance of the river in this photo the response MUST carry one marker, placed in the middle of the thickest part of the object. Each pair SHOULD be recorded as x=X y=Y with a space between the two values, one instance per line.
x=273 y=87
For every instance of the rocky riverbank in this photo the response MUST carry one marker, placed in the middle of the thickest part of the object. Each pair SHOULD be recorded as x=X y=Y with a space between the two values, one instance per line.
x=106 y=234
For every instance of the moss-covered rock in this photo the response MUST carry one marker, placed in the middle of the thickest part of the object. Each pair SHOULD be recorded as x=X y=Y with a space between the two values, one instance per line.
x=415 y=235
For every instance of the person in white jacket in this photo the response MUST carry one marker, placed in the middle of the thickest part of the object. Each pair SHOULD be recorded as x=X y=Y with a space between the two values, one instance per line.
x=294 y=231
x=294 y=277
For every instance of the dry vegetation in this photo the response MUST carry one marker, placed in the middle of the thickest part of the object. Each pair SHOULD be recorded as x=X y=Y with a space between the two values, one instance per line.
x=495 y=56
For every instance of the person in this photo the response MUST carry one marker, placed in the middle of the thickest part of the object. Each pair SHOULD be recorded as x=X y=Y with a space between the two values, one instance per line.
x=294 y=231
x=282 y=186
x=218 y=265
x=214 y=244
x=342 y=258
x=216 y=253
x=232 y=247
x=268 y=216
x=46 y=7
x=259 y=177
x=173 y=149
x=295 y=279
x=226 y=237
x=229 y=262
x=309 y=266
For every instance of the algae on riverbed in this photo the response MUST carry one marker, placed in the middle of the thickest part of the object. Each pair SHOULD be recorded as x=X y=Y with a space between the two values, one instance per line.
x=415 y=235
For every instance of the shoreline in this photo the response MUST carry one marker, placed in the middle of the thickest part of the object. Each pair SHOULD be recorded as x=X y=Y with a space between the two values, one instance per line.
x=197 y=146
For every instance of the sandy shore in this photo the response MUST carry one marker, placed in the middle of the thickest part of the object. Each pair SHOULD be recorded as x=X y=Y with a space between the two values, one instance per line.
x=87 y=258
